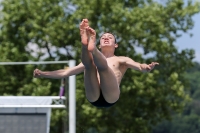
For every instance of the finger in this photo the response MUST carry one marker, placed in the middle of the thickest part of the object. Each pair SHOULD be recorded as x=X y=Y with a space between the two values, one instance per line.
x=151 y=65
x=155 y=63
x=38 y=72
x=148 y=68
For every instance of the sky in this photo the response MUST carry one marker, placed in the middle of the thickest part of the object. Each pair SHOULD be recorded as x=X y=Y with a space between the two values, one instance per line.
x=191 y=42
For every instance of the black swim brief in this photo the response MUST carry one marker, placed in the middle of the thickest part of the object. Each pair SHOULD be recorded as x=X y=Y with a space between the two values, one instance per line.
x=101 y=102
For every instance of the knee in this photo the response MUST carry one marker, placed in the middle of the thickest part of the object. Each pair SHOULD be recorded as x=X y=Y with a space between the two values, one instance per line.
x=88 y=64
x=112 y=98
x=103 y=68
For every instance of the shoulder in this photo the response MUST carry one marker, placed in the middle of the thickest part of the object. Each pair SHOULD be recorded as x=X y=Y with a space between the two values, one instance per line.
x=124 y=58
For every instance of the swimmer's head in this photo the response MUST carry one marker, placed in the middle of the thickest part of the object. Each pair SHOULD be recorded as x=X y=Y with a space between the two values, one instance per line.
x=110 y=34
x=108 y=39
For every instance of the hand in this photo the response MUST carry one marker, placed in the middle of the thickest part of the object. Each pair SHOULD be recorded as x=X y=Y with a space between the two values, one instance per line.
x=151 y=66
x=37 y=73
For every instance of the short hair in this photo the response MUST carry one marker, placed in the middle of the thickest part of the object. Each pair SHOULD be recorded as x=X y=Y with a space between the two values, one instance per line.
x=111 y=34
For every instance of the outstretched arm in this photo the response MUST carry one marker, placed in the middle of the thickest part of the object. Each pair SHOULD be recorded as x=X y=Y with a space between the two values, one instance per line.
x=138 y=66
x=58 y=74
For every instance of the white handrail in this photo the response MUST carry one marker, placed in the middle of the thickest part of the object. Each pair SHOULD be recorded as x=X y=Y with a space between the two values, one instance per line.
x=33 y=63
x=32 y=106
x=28 y=97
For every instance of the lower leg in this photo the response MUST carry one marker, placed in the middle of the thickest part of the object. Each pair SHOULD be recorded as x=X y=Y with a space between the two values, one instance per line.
x=98 y=58
x=91 y=82
x=86 y=57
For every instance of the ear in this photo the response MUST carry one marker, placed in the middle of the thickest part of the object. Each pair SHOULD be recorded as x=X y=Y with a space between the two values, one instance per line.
x=116 y=45
x=99 y=46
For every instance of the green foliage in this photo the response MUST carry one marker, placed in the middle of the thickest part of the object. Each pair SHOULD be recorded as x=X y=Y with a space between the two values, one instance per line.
x=48 y=30
x=188 y=120
x=193 y=76
x=180 y=124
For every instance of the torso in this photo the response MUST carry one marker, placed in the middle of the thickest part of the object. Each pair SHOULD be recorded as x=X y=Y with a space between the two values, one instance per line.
x=118 y=67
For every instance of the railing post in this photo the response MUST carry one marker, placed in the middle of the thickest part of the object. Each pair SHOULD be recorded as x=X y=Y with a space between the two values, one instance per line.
x=72 y=100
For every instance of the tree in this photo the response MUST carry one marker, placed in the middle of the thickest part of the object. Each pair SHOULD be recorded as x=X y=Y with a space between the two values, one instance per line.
x=180 y=124
x=52 y=27
x=193 y=75
x=188 y=119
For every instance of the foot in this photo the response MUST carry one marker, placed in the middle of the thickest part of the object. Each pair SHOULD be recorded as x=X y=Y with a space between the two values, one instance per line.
x=92 y=40
x=84 y=37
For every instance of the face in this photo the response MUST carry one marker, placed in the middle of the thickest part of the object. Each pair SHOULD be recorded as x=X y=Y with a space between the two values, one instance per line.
x=107 y=39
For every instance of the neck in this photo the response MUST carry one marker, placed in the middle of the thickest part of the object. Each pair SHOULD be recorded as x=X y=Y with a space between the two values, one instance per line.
x=108 y=53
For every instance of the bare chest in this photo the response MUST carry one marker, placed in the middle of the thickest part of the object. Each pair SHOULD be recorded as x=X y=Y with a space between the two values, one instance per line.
x=117 y=67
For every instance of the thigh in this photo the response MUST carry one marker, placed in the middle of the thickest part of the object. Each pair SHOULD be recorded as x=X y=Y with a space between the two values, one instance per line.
x=109 y=85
